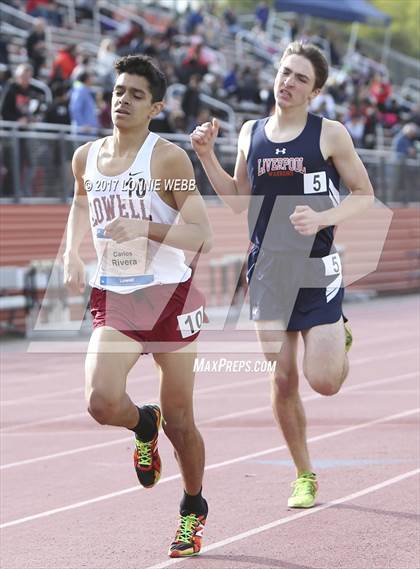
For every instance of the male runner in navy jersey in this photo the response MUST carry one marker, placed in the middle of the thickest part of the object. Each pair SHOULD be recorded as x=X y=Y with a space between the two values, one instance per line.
x=142 y=298
x=292 y=162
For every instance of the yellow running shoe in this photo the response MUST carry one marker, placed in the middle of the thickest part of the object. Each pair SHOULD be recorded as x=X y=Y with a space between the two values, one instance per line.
x=304 y=491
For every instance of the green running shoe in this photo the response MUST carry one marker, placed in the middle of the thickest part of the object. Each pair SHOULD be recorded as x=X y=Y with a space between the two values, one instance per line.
x=349 y=336
x=304 y=491
x=188 y=537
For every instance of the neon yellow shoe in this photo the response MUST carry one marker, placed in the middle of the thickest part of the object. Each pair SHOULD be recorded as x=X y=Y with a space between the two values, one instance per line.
x=304 y=491
x=349 y=336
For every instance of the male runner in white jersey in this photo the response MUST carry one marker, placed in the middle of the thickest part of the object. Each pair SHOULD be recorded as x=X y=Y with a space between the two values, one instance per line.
x=287 y=160
x=142 y=299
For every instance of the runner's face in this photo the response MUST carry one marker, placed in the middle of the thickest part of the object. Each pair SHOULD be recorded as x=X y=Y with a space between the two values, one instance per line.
x=294 y=84
x=132 y=102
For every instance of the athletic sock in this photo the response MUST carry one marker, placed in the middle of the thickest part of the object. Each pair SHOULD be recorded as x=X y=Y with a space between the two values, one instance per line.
x=193 y=505
x=146 y=426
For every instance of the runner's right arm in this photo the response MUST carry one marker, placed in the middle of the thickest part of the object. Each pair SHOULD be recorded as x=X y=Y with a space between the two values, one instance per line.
x=78 y=225
x=234 y=190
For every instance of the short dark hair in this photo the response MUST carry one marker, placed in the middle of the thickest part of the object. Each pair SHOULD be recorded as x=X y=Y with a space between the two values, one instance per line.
x=83 y=76
x=313 y=54
x=144 y=66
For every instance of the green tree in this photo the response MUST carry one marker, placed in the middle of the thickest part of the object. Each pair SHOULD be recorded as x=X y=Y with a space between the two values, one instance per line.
x=405 y=27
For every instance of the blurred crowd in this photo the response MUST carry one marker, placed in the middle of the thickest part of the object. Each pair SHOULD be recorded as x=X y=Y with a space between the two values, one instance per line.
x=187 y=48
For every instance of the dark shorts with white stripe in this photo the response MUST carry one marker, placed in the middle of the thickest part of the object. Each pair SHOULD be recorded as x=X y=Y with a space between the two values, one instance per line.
x=300 y=292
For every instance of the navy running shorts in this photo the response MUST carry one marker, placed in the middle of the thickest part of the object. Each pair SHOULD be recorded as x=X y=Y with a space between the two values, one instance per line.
x=301 y=292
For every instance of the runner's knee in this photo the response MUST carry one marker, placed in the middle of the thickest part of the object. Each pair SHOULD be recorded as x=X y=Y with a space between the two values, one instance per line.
x=102 y=407
x=284 y=384
x=323 y=384
x=178 y=427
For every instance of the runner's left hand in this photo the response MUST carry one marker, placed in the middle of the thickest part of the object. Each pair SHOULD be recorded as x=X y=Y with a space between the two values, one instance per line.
x=122 y=229
x=305 y=220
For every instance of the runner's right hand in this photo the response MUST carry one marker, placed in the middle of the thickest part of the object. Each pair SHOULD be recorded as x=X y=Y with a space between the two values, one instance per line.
x=203 y=137
x=74 y=274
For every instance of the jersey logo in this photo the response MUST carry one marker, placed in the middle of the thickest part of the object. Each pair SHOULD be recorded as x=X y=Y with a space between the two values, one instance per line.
x=135 y=173
x=282 y=151
x=280 y=166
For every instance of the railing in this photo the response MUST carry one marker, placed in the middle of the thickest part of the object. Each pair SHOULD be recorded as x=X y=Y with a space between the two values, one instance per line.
x=21 y=20
x=399 y=65
x=35 y=164
x=176 y=90
x=247 y=44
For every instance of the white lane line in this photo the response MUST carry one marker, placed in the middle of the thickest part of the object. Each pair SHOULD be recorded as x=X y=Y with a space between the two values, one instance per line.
x=359 y=361
x=209 y=467
x=30 y=398
x=84 y=414
x=206 y=421
x=362 y=342
x=293 y=517
x=315 y=396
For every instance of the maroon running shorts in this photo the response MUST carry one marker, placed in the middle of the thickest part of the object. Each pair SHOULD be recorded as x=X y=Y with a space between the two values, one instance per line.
x=163 y=318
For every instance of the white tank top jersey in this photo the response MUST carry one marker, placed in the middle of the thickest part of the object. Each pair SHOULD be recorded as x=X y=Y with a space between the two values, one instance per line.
x=139 y=263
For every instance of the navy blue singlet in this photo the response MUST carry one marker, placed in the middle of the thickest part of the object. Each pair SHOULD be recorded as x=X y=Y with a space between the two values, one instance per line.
x=284 y=282
x=297 y=174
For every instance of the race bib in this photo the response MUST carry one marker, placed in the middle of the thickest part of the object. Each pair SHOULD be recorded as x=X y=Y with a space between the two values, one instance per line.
x=191 y=322
x=123 y=264
x=332 y=264
x=315 y=183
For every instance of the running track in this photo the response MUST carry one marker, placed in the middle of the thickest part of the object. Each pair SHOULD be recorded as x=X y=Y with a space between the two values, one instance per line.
x=70 y=497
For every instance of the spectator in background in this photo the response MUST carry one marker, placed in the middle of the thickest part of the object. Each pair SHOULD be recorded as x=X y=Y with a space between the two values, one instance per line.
x=152 y=46
x=249 y=86
x=20 y=100
x=355 y=124
x=230 y=81
x=194 y=19
x=53 y=14
x=414 y=116
x=262 y=13
x=58 y=111
x=106 y=59
x=82 y=66
x=35 y=45
x=323 y=105
x=370 y=114
x=82 y=105
x=84 y=9
x=191 y=103
x=231 y=20
x=391 y=115
x=35 y=8
x=104 y=110
x=188 y=68
x=404 y=142
x=64 y=63
x=380 y=90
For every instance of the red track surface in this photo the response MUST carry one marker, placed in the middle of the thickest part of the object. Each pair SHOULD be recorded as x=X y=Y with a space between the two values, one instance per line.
x=84 y=508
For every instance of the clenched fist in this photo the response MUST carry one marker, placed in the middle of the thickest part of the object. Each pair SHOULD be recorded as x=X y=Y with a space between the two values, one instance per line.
x=203 y=137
